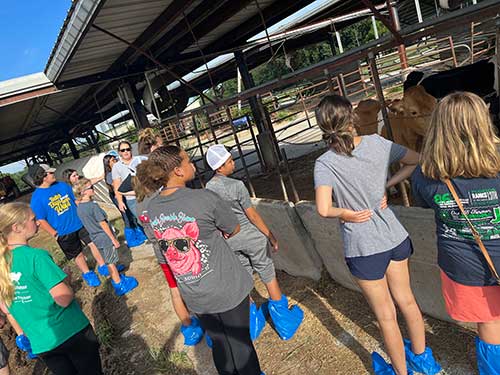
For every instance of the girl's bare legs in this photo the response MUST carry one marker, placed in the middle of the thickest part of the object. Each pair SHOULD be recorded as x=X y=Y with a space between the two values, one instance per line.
x=379 y=298
x=489 y=332
x=398 y=278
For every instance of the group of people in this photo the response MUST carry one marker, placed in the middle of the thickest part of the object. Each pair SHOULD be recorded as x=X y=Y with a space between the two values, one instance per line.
x=209 y=242
x=457 y=175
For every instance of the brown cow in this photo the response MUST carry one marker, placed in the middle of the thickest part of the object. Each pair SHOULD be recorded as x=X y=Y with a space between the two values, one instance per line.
x=408 y=116
x=367 y=116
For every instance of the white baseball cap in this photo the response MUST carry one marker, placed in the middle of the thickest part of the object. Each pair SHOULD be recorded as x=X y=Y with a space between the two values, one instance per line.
x=217 y=155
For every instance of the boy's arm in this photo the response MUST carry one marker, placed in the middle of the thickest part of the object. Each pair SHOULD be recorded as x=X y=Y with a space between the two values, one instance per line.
x=44 y=224
x=107 y=229
x=257 y=220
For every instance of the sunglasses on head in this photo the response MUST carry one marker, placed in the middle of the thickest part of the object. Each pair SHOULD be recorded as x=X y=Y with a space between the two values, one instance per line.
x=181 y=244
x=124 y=149
x=47 y=173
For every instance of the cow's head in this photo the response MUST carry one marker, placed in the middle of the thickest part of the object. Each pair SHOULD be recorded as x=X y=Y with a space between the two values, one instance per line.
x=366 y=120
x=417 y=108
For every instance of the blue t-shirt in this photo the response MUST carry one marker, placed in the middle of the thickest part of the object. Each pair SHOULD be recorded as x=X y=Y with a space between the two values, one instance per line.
x=458 y=254
x=56 y=204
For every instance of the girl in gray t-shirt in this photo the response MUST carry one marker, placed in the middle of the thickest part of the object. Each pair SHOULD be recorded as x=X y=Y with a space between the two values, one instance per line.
x=376 y=245
x=190 y=226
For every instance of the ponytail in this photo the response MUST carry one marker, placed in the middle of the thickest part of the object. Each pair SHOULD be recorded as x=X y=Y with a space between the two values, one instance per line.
x=10 y=214
x=335 y=117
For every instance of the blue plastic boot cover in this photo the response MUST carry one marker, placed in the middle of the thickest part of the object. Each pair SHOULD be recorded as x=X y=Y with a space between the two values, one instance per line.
x=257 y=321
x=140 y=236
x=381 y=367
x=286 y=321
x=192 y=333
x=488 y=358
x=423 y=363
x=209 y=341
x=24 y=344
x=131 y=237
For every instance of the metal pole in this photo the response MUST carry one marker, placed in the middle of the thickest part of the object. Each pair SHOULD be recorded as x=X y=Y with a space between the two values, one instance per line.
x=238 y=78
x=212 y=130
x=305 y=109
x=197 y=134
x=419 y=11
x=380 y=93
x=342 y=88
x=329 y=81
x=339 y=42
x=243 y=162
x=150 y=88
x=287 y=169
x=375 y=28
x=395 y=21
x=472 y=42
x=452 y=49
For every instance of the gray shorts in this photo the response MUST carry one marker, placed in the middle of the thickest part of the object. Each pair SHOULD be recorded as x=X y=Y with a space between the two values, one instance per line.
x=259 y=260
x=109 y=254
x=4 y=355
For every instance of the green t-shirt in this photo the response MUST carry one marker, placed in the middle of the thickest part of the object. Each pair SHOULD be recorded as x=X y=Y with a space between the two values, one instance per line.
x=44 y=322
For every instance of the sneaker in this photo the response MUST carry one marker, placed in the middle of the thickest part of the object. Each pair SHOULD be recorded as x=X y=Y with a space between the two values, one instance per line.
x=192 y=333
x=126 y=284
x=104 y=271
x=91 y=279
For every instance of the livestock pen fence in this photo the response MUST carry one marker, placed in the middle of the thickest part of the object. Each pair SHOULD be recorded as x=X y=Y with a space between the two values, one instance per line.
x=288 y=104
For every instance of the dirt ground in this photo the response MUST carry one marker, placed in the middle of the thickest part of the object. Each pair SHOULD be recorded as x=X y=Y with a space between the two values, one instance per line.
x=139 y=333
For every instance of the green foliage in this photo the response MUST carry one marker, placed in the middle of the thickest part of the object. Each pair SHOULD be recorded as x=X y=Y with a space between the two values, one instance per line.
x=170 y=362
x=17 y=178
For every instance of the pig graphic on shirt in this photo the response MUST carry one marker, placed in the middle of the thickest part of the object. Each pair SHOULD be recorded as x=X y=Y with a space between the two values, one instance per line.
x=179 y=249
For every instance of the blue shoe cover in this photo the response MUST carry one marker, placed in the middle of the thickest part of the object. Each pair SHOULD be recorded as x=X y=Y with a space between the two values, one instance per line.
x=91 y=279
x=286 y=321
x=423 y=363
x=24 y=344
x=104 y=271
x=209 y=341
x=257 y=321
x=126 y=284
x=131 y=237
x=140 y=236
x=488 y=358
x=381 y=367
x=192 y=333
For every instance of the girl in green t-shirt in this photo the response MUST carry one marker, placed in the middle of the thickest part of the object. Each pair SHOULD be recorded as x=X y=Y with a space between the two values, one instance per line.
x=35 y=293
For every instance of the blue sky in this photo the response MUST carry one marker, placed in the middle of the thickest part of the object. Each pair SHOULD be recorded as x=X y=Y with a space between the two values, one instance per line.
x=28 y=31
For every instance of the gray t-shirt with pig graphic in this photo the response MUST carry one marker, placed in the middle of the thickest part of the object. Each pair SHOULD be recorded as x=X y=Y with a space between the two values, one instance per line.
x=188 y=225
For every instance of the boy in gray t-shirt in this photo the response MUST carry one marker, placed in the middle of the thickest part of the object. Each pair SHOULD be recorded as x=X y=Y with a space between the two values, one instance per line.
x=251 y=245
x=95 y=221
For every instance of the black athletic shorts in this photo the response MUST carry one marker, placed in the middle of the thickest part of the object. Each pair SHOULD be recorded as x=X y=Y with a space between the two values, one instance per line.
x=71 y=244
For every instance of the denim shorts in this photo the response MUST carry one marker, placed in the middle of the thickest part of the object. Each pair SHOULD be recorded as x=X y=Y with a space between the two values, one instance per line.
x=373 y=267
